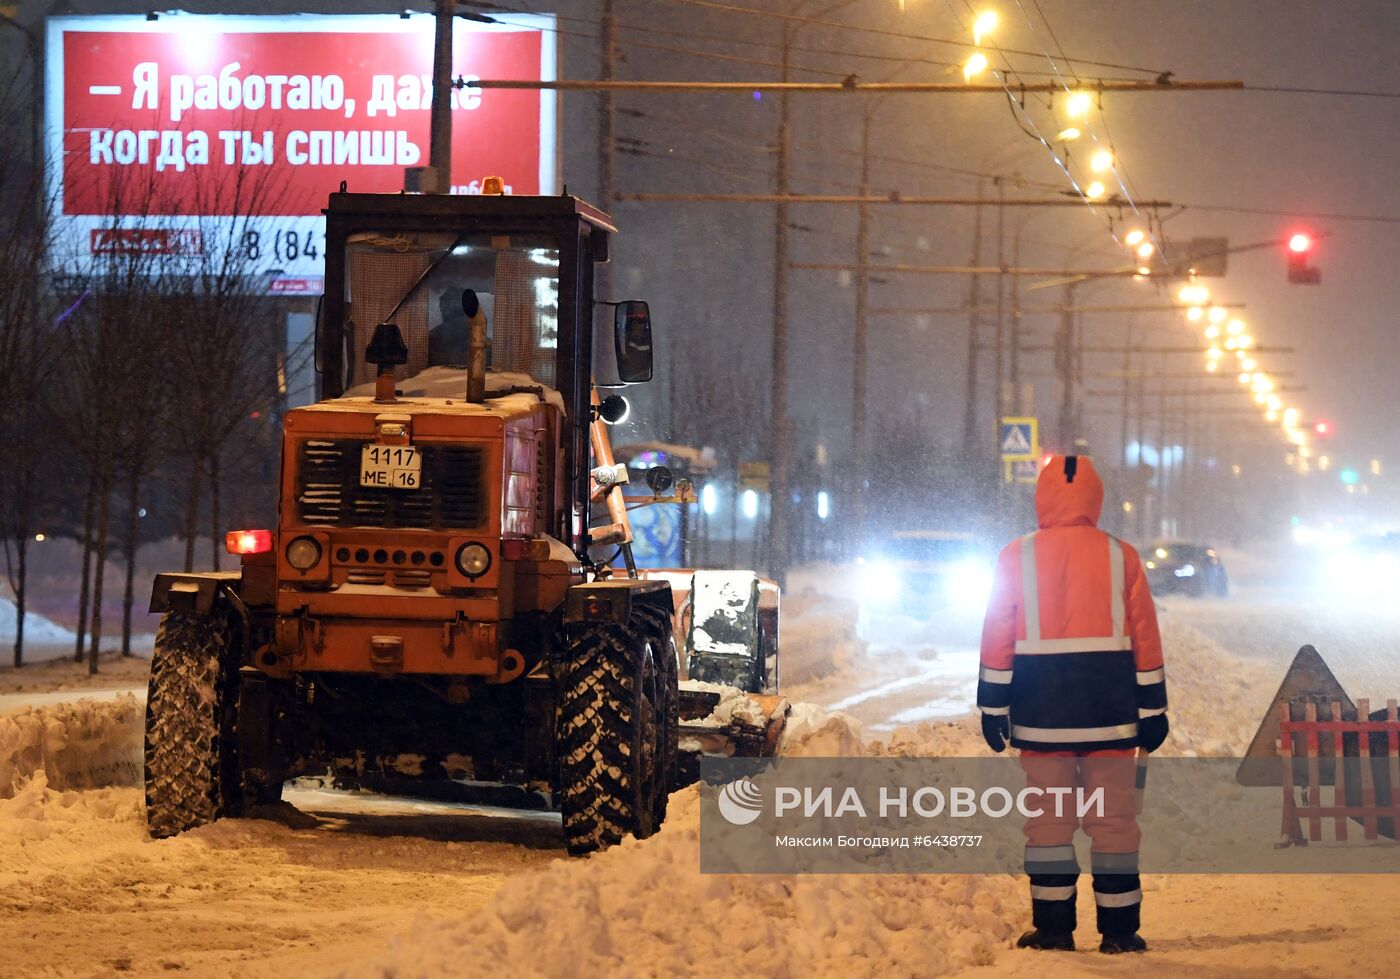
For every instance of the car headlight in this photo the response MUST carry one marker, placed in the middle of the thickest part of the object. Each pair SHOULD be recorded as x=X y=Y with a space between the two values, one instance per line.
x=969 y=583
x=880 y=580
x=303 y=553
x=1185 y=571
x=473 y=560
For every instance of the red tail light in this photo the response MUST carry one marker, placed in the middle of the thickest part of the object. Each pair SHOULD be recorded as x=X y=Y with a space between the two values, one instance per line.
x=248 y=541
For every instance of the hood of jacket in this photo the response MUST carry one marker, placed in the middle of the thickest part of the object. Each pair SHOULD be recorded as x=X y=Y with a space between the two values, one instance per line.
x=1069 y=493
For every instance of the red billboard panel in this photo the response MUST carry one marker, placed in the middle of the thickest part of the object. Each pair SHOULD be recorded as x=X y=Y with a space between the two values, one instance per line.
x=195 y=117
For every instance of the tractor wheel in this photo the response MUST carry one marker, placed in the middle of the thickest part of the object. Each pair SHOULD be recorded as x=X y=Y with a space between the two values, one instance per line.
x=608 y=725
x=192 y=771
x=661 y=631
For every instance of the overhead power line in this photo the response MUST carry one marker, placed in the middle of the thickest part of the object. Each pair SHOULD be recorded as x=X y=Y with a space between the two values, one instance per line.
x=891 y=198
x=849 y=85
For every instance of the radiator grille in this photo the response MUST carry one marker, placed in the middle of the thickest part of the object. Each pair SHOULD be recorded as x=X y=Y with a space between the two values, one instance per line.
x=329 y=493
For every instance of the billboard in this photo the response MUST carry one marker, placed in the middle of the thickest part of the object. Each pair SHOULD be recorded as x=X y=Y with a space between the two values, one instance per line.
x=166 y=135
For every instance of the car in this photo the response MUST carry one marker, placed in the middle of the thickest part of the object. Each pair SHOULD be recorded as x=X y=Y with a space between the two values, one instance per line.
x=921 y=572
x=1184 y=568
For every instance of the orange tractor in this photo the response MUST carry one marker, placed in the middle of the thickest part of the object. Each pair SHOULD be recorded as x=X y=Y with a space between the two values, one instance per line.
x=436 y=601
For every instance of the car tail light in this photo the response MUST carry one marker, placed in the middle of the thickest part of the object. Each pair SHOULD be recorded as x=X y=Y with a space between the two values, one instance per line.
x=248 y=541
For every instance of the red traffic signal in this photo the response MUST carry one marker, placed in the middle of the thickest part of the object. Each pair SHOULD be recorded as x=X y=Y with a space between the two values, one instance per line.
x=1323 y=428
x=1300 y=247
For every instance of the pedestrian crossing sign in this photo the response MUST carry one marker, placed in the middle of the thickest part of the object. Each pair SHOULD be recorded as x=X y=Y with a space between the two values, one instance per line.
x=1020 y=439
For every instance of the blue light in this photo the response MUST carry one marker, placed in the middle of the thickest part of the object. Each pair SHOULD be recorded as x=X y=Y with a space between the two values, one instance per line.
x=1350 y=477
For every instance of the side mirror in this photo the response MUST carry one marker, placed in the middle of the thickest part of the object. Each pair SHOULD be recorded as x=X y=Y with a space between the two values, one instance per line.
x=659 y=479
x=632 y=336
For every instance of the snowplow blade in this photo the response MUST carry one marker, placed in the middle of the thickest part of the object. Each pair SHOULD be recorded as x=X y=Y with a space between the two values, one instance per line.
x=725 y=722
x=1308 y=680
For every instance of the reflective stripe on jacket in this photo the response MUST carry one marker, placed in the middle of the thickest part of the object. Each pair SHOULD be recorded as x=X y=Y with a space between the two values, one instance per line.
x=1070 y=647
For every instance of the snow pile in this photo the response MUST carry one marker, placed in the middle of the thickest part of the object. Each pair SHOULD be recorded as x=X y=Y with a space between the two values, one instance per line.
x=80 y=821
x=1217 y=698
x=817 y=636
x=75 y=745
x=37 y=630
x=642 y=909
x=814 y=732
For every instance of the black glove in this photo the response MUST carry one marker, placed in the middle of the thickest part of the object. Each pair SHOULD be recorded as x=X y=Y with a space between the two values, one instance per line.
x=1152 y=731
x=995 y=730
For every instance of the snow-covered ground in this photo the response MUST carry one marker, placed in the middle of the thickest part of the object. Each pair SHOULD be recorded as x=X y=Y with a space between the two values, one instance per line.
x=362 y=885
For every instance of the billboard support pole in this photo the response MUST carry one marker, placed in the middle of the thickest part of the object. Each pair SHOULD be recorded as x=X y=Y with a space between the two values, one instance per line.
x=440 y=140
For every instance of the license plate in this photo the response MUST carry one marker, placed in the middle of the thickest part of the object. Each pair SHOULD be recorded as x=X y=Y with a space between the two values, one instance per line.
x=391 y=466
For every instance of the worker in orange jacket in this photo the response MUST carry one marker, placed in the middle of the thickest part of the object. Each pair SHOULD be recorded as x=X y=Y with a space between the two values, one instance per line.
x=1072 y=676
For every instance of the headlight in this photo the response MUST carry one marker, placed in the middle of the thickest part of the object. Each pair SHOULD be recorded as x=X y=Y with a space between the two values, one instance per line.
x=880 y=581
x=303 y=553
x=1185 y=571
x=969 y=583
x=473 y=560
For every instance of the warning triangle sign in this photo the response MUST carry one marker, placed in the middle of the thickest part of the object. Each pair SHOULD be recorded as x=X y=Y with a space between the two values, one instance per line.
x=1309 y=678
x=1015 y=440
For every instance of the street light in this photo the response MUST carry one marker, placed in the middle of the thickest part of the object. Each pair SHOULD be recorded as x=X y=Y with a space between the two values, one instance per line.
x=1101 y=162
x=1134 y=238
x=1096 y=190
x=1079 y=104
x=985 y=23
x=975 y=65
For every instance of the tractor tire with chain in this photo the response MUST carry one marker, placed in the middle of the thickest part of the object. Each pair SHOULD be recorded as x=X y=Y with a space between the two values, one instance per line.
x=609 y=718
x=192 y=771
x=660 y=628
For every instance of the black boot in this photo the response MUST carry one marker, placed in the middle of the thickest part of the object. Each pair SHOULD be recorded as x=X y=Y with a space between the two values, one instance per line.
x=1115 y=944
x=1047 y=941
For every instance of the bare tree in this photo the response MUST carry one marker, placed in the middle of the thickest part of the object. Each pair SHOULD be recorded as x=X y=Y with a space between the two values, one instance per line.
x=222 y=357
x=26 y=311
x=107 y=396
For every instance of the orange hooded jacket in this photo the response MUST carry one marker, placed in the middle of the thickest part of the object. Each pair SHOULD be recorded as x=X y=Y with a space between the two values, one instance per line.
x=1070 y=646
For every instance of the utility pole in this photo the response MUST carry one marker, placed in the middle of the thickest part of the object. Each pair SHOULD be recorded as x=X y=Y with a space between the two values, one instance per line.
x=1000 y=372
x=440 y=138
x=971 y=436
x=860 y=339
x=1014 y=369
x=1065 y=368
x=607 y=122
x=780 y=492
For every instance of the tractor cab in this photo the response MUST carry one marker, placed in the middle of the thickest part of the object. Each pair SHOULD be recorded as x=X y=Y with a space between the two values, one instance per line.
x=435 y=266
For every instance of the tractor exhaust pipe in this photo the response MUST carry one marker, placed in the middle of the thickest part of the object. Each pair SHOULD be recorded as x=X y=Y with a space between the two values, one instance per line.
x=476 y=347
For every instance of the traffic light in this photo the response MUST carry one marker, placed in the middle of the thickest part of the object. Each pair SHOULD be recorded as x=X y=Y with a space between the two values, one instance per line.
x=1323 y=428
x=1300 y=269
